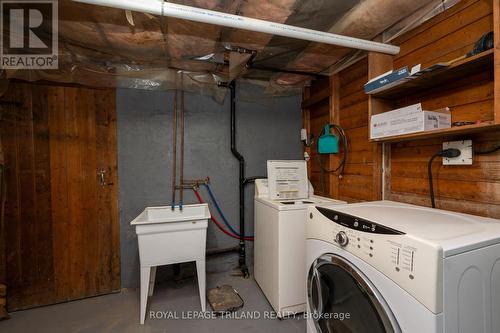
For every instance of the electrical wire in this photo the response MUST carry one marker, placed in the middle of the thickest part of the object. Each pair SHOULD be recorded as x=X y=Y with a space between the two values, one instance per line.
x=451 y=152
x=214 y=220
x=429 y=171
x=221 y=213
x=342 y=164
x=485 y=152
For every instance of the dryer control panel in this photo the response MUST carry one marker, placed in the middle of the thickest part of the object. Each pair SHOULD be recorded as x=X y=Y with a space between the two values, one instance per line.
x=414 y=265
x=357 y=223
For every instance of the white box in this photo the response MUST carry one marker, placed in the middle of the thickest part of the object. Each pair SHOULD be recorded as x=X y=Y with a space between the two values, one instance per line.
x=408 y=120
x=465 y=147
x=415 y=108
x=287 y=179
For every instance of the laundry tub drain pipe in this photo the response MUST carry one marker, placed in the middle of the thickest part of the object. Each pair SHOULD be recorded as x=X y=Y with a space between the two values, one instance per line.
x=241 y=183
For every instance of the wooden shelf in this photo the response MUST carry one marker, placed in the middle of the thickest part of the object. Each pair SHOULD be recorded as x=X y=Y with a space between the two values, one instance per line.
x=435 y=79
x=459 y=130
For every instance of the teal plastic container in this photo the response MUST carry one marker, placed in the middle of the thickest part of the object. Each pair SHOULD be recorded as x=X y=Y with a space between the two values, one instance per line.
x=328 y=143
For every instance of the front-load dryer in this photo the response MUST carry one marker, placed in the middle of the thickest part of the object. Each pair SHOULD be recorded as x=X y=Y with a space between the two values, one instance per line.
x=393 y=267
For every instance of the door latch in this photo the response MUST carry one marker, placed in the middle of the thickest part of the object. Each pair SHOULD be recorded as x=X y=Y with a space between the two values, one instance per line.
x=101 y=174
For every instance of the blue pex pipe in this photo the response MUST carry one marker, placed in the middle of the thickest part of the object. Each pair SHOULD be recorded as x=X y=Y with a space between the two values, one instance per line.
x=216 y=204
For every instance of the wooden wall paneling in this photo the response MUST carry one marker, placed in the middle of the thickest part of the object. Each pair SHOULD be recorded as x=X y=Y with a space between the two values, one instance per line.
x=377 y=64
x=476 y=186
x=470 y=98
x=62 y=227
x=334 y=160
x=446 y=36
x=43 y=200
x=449 y=47
x=496 y=31
x=462 y=205
x=3 y=258
x=58 y=129
x=476 y=191
x=451 y=12
x=377 y=177
x=25 y=199
x=462 y=14
x=306 y=124
x=386 y=171
x=3 y=273
x=470 y=189
x=22 y=133
x=355 y=115
x=84 y=194
x=74 y=141
x=319 y=114
x=91 y=148
x=107 y=203
x=359 y=183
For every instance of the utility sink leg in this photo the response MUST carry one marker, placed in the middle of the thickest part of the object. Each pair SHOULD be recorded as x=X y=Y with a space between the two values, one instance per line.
x=152 y=281
x=200 y=270
x=145 y=273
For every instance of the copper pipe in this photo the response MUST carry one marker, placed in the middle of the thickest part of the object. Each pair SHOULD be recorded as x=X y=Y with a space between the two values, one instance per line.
x=196 y=181
x=182 y=142
x=174 y=149
x=181 y=187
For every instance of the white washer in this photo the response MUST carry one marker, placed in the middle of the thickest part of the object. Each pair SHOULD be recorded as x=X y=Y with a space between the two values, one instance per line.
x=280 y=247
x=401 y=268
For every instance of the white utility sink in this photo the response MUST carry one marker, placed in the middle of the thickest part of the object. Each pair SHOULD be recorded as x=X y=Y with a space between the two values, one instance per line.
x=167 y=237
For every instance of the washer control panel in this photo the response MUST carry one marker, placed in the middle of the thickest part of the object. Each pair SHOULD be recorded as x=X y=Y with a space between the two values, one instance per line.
x=414 y=265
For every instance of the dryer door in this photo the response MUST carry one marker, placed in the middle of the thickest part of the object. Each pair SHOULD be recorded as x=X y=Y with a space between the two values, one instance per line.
x=343 y=300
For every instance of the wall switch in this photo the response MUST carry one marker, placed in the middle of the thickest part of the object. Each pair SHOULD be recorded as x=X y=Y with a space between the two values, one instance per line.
x=465 y=147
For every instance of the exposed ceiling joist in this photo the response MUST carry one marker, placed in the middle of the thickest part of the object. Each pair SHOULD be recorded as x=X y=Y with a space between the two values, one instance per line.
x=244 y=23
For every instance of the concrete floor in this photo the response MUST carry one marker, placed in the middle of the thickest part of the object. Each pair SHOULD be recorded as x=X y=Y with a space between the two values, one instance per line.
x=120 y=312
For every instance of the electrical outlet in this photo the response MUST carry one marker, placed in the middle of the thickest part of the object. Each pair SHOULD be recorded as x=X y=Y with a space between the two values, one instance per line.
x=303 y=134
x=465 y=147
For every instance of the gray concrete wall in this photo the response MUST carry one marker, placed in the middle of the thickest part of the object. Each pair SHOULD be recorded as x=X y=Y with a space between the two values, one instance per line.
x=268 y=128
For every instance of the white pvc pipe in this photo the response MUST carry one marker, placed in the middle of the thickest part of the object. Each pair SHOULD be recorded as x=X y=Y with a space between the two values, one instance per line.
x=240 y=22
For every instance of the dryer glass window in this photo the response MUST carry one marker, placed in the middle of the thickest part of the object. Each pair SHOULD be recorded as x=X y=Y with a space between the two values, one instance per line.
x=343 y=301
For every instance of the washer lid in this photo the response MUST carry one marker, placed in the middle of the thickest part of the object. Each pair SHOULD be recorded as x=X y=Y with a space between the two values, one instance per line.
x=454 y=232
x=301 y=204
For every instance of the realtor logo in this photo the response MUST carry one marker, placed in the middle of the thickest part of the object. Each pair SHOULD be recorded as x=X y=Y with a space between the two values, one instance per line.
x=29 y=37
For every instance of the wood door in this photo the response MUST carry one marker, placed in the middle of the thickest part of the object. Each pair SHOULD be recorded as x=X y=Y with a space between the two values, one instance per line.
x=61 y=221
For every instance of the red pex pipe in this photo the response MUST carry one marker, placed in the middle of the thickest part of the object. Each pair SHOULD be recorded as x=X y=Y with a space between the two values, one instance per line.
x=217 y=223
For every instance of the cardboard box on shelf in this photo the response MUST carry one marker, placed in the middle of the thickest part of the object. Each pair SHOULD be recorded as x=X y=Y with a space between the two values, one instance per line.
x=411 y=119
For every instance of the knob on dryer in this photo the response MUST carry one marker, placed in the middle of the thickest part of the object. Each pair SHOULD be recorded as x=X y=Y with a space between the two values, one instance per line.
x=342 y=239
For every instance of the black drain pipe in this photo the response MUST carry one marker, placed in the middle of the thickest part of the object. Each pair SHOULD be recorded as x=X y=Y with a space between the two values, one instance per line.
x=241 y=160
